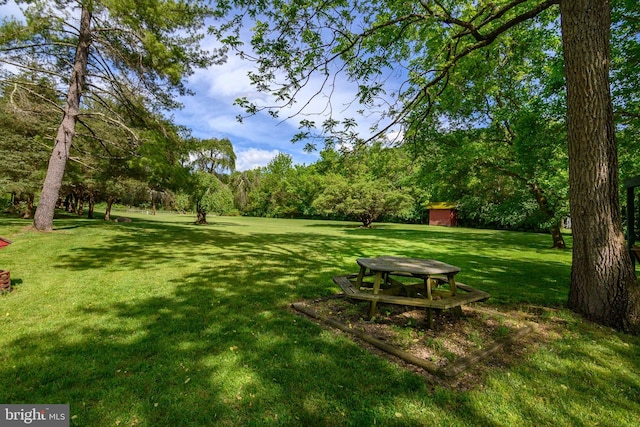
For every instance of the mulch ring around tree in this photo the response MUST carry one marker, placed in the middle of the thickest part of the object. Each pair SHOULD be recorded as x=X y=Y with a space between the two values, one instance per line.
x=457 y=352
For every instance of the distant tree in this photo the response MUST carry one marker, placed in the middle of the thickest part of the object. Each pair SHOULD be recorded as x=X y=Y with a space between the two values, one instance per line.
x=102 y=49
x=498 y=137
x=307 y=184
x=161 y=158
x=243 y=184
x=123 y=189
x=182 y=202
x=214 y=156
x=276 y=196
x=209 y=195
x=377 y=170
x=209 y=159
x=363 y=199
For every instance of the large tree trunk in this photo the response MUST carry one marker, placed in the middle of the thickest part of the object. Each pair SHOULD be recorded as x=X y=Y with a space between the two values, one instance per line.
x=43 y=219
x=603 y=283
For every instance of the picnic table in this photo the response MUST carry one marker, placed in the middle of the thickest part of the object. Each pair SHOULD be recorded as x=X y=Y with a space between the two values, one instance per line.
x=437 y=288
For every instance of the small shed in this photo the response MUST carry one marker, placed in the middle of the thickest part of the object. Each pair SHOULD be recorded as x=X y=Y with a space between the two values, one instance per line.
x=443 y=213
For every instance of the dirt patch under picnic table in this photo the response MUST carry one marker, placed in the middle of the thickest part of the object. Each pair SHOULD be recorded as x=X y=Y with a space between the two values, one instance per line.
x=458 y=351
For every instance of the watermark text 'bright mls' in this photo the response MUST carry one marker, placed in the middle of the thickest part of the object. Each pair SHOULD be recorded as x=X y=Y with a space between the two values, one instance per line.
x=36 y=415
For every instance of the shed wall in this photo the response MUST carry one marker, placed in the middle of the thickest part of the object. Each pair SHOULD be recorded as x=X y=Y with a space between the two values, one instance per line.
x=446 y=217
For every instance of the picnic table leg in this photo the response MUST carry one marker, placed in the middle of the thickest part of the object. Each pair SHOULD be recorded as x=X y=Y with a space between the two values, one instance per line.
x=360 y=277
x=428 y=285
x=428 y=282
x=376 y=289
x=429 y=318
x=452 y=284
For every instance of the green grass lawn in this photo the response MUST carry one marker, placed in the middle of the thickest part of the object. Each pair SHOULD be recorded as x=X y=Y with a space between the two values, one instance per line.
x=160 y=322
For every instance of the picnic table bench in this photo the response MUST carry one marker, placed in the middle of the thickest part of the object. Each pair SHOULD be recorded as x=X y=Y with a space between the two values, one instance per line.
x=387 y=289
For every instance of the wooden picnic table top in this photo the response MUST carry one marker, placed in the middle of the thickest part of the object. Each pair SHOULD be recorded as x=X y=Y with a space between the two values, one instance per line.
x=414 y=266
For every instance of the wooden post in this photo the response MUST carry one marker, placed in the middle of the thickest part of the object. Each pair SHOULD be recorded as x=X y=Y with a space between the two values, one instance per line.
x=5 y=281
x=429 y=318
x=631 y=233
x=631 y=185
x=360 y=277
x=452 y=284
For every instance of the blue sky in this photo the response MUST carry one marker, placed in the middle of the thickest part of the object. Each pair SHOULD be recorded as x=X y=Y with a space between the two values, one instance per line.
x=259 y=138
x=211 y=113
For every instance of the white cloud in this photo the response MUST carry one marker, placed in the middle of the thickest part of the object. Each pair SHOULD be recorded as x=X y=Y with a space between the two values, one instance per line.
x=252 y=158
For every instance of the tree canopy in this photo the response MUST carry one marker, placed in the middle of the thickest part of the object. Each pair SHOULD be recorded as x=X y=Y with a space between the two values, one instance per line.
x=98 y=52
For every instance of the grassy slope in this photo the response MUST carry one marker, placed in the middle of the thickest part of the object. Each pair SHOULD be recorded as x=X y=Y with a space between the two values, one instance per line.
x=160 y=322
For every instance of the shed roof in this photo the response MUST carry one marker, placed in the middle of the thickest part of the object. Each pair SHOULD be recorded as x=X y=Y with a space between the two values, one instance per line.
x=441 y=205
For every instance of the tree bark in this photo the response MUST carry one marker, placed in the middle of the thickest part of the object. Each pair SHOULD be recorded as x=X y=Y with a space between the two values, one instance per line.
x=603 y=283
x=201 y=217
x=43 y=219
x=28 y=208
x=81 y=203
x=107 y=212
x=556 y=236
x=92 y=205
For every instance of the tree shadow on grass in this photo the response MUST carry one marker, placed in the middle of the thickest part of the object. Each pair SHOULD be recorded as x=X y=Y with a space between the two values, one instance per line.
x=586 y=378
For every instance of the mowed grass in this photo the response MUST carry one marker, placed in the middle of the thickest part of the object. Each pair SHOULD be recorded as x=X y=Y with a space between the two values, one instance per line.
x=160 y=322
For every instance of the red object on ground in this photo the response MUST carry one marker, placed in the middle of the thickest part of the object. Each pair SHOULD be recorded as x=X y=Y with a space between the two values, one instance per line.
x=4 y=242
